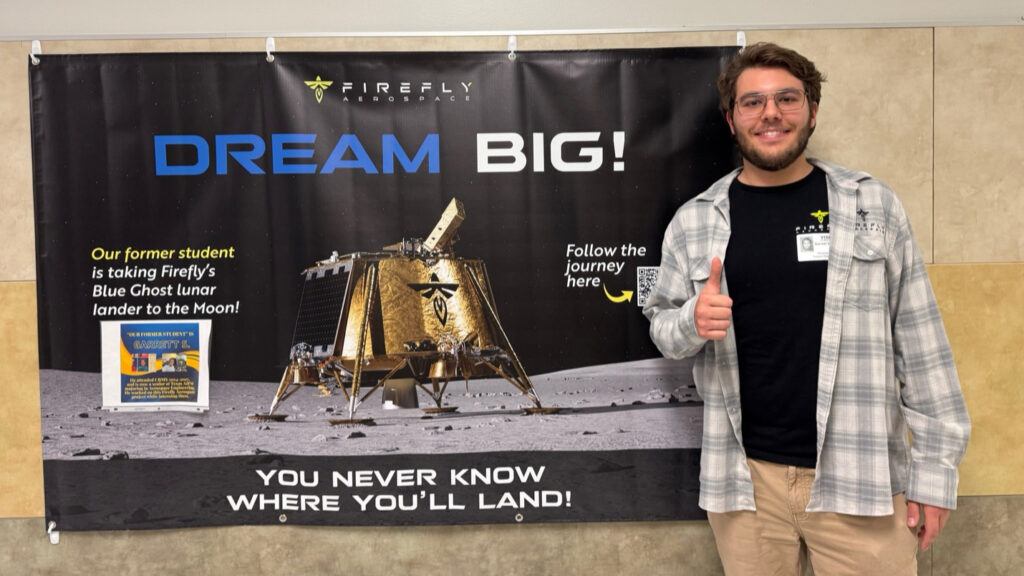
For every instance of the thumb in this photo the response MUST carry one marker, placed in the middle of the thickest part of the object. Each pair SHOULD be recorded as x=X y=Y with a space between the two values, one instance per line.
x=714 y=284
x=913 y=514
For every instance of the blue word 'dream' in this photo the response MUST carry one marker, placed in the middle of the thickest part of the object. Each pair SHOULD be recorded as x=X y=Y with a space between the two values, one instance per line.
x=290 y=153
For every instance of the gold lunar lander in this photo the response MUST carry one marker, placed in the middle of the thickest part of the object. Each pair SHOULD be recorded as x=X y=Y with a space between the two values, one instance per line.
x=413 y=307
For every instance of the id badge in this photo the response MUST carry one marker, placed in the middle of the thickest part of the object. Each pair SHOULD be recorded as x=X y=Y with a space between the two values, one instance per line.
x=812 y=247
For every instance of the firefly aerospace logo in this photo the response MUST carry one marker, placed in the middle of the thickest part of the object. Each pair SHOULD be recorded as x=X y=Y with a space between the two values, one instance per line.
x=318 y=86
x=391 y=92
x=821 y=226
x=864 y=225
x=438 y=293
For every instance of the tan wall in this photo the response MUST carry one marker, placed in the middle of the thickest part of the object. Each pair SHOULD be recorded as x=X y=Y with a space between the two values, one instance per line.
x=933 y=112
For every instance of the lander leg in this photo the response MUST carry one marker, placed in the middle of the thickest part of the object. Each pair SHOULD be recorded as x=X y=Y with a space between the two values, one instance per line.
x=520 y=380
x=338 y=384
x=369 y=289
x=287 y=381
x=383 y=380
x=436 y=393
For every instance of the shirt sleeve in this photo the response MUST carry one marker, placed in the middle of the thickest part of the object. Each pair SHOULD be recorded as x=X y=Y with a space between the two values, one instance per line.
x=931 y=399
x=671 y=304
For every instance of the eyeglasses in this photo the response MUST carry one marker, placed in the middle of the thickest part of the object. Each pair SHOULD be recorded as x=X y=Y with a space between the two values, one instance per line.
x=788 y=100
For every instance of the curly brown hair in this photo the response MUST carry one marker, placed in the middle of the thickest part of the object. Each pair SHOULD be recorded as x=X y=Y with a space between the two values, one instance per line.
x=768 y=55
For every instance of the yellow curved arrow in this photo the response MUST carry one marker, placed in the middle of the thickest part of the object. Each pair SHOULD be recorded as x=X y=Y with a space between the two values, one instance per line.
x=626 y=295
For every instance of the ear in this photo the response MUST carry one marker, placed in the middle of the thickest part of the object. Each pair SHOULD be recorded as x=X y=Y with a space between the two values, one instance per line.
x=814 y=115
x=728 y=119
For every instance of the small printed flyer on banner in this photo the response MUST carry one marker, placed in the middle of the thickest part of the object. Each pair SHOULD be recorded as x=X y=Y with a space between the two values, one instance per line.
x=156 y=365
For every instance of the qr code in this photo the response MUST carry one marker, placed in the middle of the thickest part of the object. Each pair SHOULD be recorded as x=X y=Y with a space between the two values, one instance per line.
x=646 y=278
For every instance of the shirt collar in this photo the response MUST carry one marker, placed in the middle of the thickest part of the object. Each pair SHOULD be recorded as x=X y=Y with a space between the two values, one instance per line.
x=844 y=179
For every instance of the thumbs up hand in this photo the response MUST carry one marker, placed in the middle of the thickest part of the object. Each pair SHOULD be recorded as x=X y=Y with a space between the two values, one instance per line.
x=713 y=312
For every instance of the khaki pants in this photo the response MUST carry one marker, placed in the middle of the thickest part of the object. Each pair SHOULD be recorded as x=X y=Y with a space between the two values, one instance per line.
x=780 y=537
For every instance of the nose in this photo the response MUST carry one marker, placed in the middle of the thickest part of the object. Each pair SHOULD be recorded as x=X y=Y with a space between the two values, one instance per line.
x=771 y=109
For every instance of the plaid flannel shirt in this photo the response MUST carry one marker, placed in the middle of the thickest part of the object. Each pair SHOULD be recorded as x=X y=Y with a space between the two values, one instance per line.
x=885 y=362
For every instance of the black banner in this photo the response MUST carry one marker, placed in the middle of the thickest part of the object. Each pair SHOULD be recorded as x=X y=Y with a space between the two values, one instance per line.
x=202 y=186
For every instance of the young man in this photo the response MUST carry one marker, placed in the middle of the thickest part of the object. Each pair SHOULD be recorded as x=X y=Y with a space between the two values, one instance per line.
x=820 y=352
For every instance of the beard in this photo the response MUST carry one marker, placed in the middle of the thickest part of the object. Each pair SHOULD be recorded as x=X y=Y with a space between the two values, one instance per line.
x=779 y=160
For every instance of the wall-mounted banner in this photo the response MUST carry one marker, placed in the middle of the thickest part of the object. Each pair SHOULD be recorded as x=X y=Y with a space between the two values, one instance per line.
x=422 y=275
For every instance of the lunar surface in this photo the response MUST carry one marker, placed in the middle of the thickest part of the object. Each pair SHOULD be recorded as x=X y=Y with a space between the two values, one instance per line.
x=646 y=404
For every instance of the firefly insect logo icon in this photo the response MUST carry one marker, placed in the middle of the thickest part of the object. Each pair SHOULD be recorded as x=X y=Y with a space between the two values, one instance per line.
x=318 y=86
x=438 y=293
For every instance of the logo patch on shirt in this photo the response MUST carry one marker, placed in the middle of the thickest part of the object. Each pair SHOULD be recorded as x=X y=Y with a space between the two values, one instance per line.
x=863 y=224
x=822 y=224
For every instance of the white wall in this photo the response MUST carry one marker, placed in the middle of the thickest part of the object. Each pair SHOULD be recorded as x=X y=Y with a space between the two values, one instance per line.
x=76 y=19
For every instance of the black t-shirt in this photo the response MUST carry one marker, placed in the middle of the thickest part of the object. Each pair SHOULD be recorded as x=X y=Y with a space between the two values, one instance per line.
x=776 y=266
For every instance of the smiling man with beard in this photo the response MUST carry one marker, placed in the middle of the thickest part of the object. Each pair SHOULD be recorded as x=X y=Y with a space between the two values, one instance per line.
x=798 y=286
